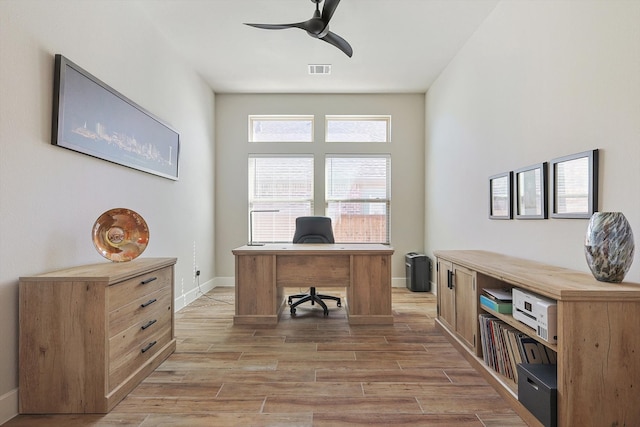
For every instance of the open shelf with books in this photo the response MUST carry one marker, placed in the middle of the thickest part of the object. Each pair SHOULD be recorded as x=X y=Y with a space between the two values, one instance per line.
x=509 y=320
x=504 y=347
x=597 y=333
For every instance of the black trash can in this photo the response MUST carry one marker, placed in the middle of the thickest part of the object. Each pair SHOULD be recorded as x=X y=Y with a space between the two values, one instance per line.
x=418 y=272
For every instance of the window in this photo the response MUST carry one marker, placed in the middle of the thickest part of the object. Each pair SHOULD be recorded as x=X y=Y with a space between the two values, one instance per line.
x=281 y=187
x=358 y=129
x=283 y=184
x=358 y=189
x=280 y=128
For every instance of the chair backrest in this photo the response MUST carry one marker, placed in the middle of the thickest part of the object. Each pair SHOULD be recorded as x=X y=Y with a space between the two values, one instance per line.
x=313 y=229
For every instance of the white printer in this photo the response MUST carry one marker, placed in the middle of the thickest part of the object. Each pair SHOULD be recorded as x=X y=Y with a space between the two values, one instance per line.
x=538 y=312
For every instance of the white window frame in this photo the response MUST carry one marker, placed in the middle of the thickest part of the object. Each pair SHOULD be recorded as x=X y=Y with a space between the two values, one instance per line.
x=280 y=118
x=358 y=118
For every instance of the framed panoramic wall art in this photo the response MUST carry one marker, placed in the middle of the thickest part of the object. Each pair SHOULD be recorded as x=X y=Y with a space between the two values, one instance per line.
x=574 y=184
x=500 y=196
x=531 y=192
x=94 y=119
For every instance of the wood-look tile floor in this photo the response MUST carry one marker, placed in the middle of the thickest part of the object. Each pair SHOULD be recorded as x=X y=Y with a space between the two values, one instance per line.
x=309 y=370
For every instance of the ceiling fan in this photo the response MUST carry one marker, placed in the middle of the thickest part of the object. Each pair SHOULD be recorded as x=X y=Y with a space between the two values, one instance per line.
x=317 y=26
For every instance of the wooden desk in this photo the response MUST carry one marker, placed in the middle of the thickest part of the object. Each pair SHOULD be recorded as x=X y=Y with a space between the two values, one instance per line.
x=262 y=273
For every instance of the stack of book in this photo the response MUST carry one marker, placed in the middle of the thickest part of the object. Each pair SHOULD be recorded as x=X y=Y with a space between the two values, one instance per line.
x=504 y=347
x=499 y=300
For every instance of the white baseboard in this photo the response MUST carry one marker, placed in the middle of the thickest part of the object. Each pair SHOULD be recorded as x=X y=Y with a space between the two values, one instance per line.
x=225 y=281
x=187 y=298
x=8 y=406
x=398 y=282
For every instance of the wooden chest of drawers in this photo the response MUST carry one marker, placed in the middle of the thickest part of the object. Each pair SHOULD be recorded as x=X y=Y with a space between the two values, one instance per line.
x=90 y=334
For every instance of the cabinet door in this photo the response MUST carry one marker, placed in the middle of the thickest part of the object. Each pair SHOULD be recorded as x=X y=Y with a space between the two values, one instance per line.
x=446 y=294
x=466 y=311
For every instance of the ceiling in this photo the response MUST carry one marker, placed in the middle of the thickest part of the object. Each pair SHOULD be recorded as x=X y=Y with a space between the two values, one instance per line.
x=400 y=46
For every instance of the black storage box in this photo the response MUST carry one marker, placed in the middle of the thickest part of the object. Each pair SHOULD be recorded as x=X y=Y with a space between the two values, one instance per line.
x=418 y=272
x=538 y=391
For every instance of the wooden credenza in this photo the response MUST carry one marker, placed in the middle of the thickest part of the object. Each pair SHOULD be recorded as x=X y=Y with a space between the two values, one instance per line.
x=598 y=349
x=88 y=335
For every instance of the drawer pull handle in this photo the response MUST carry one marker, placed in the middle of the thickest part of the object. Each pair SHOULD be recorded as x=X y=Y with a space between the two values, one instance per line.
x=149 y=280
x=151 y=301
x=149 y=323
x=148 y=346
x=450 y=279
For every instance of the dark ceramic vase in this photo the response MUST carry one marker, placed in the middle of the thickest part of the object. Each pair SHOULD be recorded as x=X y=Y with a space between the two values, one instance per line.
x=609 y=246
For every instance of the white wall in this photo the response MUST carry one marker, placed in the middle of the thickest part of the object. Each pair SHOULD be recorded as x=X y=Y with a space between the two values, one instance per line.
x=49 y=196
x=538 y=80
x=232 y=149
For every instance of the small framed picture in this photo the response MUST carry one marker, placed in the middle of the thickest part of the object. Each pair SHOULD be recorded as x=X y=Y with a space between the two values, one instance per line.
x=574 y=182
x=500 y=196
x=531 y=192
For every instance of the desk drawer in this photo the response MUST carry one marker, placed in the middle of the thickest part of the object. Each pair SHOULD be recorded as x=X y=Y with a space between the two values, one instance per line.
x=313 y=270
x=139 y=310
x=123 y=293
x=140 y=352
x=141 y=327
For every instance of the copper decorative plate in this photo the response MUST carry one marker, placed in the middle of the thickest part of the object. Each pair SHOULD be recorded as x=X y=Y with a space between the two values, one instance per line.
x=120 y=234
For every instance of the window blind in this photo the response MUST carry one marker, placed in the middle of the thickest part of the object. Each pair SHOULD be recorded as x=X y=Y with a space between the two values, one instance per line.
x=283 y=184
x=358 y=197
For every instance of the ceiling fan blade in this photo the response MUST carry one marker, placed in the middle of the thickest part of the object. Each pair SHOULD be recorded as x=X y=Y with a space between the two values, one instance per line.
x=328 y=9
x=270 y=26
x=301 y=25
x=339 y=42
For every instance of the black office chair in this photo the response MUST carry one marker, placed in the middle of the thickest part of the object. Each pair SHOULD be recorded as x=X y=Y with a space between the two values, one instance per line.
x=313 y=229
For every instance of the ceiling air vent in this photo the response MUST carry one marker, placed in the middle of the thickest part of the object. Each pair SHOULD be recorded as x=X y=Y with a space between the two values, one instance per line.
x=319 y=68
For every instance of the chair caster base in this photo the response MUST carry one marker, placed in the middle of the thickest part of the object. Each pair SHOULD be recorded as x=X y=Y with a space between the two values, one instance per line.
x=293 y=312
x=314 y=299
